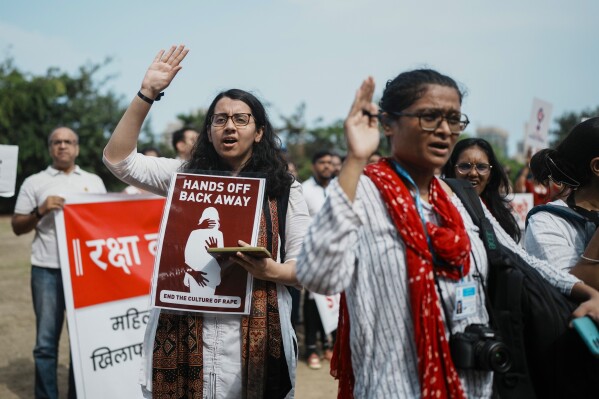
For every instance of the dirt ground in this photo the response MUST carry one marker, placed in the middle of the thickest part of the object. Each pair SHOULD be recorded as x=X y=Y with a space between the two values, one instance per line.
x=17 y=330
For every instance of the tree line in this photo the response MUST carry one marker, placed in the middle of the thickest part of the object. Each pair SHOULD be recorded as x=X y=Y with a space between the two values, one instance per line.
x=31 y=106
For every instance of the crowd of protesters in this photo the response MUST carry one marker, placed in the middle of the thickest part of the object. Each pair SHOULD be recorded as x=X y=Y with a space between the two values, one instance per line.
x=385 y=232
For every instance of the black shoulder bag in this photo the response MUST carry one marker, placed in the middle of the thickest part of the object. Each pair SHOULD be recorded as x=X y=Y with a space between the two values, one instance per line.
x=549 y=359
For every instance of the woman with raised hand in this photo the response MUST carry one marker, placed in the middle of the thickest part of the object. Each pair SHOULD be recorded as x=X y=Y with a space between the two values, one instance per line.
x=212 y=356
x=571 y=244
x=390 y=232
x=473 y=159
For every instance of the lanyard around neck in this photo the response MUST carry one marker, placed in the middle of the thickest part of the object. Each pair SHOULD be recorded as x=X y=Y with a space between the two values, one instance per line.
x=406 y=176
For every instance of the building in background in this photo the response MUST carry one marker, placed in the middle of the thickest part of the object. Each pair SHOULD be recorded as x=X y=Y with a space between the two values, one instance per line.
x=496 y=136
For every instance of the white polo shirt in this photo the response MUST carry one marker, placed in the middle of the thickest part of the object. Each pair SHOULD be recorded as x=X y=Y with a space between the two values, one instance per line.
x=34 y=191
x=315 y=195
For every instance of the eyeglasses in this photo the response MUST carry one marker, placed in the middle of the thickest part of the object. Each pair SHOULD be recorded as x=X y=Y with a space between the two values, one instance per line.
x=465 y=167
x=66 y=142
x=431 y=120
x=220 y=120
x=566 y=179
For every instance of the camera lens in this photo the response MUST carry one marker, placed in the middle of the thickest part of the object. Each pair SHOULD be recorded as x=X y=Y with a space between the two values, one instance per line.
x=495 y=356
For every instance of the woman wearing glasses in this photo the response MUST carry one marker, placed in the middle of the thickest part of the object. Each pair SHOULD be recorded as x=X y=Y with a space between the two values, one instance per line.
x=475 y=161
x=389 y=233
x=574 y=166
x=208 y=356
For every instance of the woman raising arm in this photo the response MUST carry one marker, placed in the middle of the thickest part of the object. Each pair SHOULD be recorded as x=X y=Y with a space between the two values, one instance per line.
x=228 y=361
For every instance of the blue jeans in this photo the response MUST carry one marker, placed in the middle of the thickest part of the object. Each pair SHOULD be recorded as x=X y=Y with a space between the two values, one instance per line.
x=49 y=308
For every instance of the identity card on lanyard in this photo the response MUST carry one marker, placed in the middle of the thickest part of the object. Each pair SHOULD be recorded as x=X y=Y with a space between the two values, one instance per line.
x=465 y=300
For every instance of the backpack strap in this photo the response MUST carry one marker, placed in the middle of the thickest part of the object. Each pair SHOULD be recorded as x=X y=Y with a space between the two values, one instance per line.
x=466 y=193
x=504 y=306
x=564 y=212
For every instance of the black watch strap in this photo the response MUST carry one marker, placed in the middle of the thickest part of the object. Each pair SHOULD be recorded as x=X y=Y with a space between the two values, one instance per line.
x=36 y=212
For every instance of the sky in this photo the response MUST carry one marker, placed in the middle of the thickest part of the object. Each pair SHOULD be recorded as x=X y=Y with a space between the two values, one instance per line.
x=504 y=54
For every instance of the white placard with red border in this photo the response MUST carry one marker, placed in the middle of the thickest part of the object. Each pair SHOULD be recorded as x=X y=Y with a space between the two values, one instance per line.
x=328 y=308
x=537 y=137
x=107 y=245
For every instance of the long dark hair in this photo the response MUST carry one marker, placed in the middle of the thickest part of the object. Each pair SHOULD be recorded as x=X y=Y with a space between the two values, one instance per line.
x=569 y=163
x=498 y=188
x=267 y=157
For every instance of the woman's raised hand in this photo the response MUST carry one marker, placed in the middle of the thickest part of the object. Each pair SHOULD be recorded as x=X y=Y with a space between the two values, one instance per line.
x=362 y=135
x=361 y=125
x=163 y=70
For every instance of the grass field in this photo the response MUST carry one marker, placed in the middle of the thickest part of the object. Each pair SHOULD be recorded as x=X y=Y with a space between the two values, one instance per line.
x=17 y=330
x=17 y=325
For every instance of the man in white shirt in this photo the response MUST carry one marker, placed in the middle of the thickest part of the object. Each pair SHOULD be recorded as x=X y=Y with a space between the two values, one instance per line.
x=39 y=197
x=315 y=194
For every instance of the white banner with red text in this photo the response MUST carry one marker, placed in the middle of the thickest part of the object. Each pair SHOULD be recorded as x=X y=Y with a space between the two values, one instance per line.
x=107 y=245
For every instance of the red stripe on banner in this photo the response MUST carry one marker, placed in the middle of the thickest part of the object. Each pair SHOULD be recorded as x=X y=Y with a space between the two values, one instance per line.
x=114 y=255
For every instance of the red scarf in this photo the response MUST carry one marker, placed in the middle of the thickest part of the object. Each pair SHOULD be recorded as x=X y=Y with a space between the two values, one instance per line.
x=436 y=372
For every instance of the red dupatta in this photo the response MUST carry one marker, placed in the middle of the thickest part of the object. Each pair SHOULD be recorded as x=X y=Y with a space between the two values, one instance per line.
x=437 y=374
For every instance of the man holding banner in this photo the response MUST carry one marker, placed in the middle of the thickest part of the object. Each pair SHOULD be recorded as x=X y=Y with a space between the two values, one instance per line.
x=40 y=195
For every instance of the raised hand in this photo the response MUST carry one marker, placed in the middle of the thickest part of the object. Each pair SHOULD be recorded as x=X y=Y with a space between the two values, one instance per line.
x=163 y=70
x=361 y=124
x=362 y=135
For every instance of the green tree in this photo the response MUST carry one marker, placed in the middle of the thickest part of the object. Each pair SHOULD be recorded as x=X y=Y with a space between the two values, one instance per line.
x=302 y=141
x=567 y=121
x=32 y=106
x=195 y=119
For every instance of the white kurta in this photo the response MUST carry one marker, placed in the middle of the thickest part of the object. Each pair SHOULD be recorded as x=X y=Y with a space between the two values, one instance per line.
x=554 y=239
x=222 y=333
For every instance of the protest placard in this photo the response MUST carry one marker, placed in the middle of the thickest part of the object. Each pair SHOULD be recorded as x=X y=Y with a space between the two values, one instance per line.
x=107 y=244
x=205 y=211
x=328 y=309
x=9 y=155
x=537 y=129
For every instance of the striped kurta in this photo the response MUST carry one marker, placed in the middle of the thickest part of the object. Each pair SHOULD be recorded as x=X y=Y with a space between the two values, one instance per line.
x=355 y=247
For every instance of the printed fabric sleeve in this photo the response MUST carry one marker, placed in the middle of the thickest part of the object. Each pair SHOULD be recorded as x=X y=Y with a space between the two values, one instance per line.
x=560 y=279
x=297 y=221
x=327 y=260
x=152 y=174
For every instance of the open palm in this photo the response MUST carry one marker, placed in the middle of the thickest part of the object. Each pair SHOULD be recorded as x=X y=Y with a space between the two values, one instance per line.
x=163 y=69
x=361 y=124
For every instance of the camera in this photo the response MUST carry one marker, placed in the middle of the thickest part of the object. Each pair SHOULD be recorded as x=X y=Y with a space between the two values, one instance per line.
x=479 y=348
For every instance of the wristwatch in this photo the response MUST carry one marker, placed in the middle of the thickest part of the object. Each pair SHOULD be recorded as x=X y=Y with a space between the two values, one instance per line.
x=36 y=212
